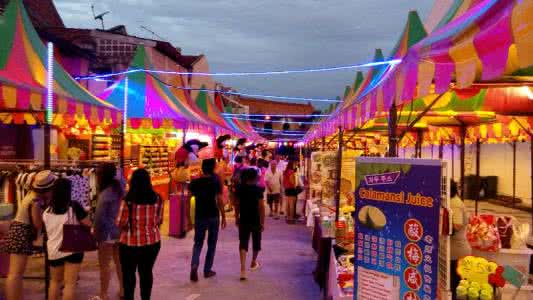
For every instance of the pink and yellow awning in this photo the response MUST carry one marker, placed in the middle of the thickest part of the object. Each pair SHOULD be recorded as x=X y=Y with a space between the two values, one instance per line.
x=23 y=75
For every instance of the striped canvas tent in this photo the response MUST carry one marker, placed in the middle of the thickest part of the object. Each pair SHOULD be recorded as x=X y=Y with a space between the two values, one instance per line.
x=151 y=104
x=23 y=73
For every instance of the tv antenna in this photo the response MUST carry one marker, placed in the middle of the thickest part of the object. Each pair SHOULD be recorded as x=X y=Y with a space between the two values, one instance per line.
x=153 y=33
x=100 y=16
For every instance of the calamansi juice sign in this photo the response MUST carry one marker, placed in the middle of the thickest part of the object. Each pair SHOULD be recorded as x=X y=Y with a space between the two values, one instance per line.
x=397 y=225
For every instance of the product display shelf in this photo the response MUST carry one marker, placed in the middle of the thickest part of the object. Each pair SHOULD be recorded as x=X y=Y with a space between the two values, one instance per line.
x=155 y=159
x=101 y=147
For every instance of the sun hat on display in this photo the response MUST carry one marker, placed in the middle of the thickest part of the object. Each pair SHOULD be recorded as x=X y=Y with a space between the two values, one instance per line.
x=44 y=180
x=29 y=180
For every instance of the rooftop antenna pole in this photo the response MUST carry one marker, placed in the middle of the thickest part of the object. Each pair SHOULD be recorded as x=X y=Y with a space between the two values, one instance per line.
x=153 y=33
x=100 y=16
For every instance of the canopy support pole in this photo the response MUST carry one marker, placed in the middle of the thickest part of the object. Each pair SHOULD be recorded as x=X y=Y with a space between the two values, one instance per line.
x=393 y=127
x=47 y=142
x=478 y=179
x=124 y=126
x=462 y=175
x=338 y=175
x=453 y=159
x=420 y=115
x=514 y=173
x=323 y=143
x=441 y=149
x=418 y=144
x=531 y=171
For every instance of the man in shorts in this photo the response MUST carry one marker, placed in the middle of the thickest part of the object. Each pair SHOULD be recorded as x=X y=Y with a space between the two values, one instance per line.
x=273 y=183
x=249 y=217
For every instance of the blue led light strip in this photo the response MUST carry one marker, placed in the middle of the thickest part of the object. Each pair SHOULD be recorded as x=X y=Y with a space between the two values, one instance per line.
x=269 y=121
x=277 y=130
x=276 y=116
x=245 y=94
x=365 y=65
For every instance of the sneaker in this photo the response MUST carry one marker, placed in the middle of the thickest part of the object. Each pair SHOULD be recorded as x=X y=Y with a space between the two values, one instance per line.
x=210 y=274
x=194 y=275
x=255 y=266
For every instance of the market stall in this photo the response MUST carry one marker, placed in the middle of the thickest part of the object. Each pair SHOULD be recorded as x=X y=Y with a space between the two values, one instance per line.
x=459 y=50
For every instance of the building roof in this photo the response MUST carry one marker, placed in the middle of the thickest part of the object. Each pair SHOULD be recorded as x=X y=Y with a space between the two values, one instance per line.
x=43 y=13
x=261 y=106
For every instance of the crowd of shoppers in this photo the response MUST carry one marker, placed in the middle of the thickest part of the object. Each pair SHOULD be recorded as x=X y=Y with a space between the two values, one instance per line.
x=126 y=226
x=125 y=230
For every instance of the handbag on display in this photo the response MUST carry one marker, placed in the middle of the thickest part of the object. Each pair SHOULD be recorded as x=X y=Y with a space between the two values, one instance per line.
x=76 y=237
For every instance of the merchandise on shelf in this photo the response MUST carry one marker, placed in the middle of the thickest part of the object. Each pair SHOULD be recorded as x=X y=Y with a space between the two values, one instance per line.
x=101 y=147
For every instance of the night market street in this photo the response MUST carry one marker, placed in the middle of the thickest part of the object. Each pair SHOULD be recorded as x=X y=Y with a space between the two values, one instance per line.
x=288 y=261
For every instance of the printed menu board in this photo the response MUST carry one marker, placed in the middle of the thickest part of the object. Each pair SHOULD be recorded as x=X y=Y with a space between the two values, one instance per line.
x=323 y=174
x=397 y=228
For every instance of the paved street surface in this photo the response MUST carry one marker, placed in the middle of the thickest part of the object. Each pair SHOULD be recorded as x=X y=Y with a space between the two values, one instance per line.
x=288 y=261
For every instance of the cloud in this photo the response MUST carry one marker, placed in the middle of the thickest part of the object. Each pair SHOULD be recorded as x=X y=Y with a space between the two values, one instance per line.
x=244 y=35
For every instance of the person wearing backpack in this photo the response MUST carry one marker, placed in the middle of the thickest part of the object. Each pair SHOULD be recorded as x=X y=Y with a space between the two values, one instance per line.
x=139 y=218
x=291 y=193
x=24 y=229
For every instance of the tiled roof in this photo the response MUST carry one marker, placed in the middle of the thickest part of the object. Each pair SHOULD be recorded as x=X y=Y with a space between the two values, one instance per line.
x=261 y=106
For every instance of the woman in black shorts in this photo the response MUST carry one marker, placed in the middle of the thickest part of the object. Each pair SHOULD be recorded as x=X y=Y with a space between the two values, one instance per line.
x=65 y=266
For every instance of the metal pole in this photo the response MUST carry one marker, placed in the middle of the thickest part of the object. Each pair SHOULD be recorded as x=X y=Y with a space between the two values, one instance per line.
x=124 y=125
x=419 y=144
x=441 y=149
x=323 y=143
x=47 y=142
x=338 y=177
x=393 y=126
x=478 y=179
x=462 y=175
x=453 y=159
x=531 y=170
x=514 y=172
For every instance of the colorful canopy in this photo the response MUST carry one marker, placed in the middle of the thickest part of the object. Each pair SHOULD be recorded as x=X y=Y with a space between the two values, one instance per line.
x=151 y=104
x=23 y=72
x=476 y=41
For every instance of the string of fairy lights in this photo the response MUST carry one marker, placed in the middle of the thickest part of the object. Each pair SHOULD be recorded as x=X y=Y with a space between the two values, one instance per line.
x=261 y=118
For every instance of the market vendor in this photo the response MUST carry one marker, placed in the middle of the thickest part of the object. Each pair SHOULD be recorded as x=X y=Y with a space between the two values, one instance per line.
x=459 y=245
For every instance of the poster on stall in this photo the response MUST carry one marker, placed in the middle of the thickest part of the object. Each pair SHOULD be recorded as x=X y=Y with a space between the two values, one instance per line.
x=397 y=228
x=347 y=184
x=323 y=173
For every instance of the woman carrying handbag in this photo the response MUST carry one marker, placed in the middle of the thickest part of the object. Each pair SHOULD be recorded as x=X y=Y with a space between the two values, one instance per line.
x=68 y=229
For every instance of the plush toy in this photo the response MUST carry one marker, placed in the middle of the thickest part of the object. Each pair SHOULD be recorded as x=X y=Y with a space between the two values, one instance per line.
x=188 y=153
x=220 y=145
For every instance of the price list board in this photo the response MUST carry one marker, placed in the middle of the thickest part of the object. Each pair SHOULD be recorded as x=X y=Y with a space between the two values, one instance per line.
x=397 y=226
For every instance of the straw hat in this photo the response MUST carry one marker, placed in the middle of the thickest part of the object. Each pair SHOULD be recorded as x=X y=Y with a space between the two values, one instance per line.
x=29 y=180
x=44 y=180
